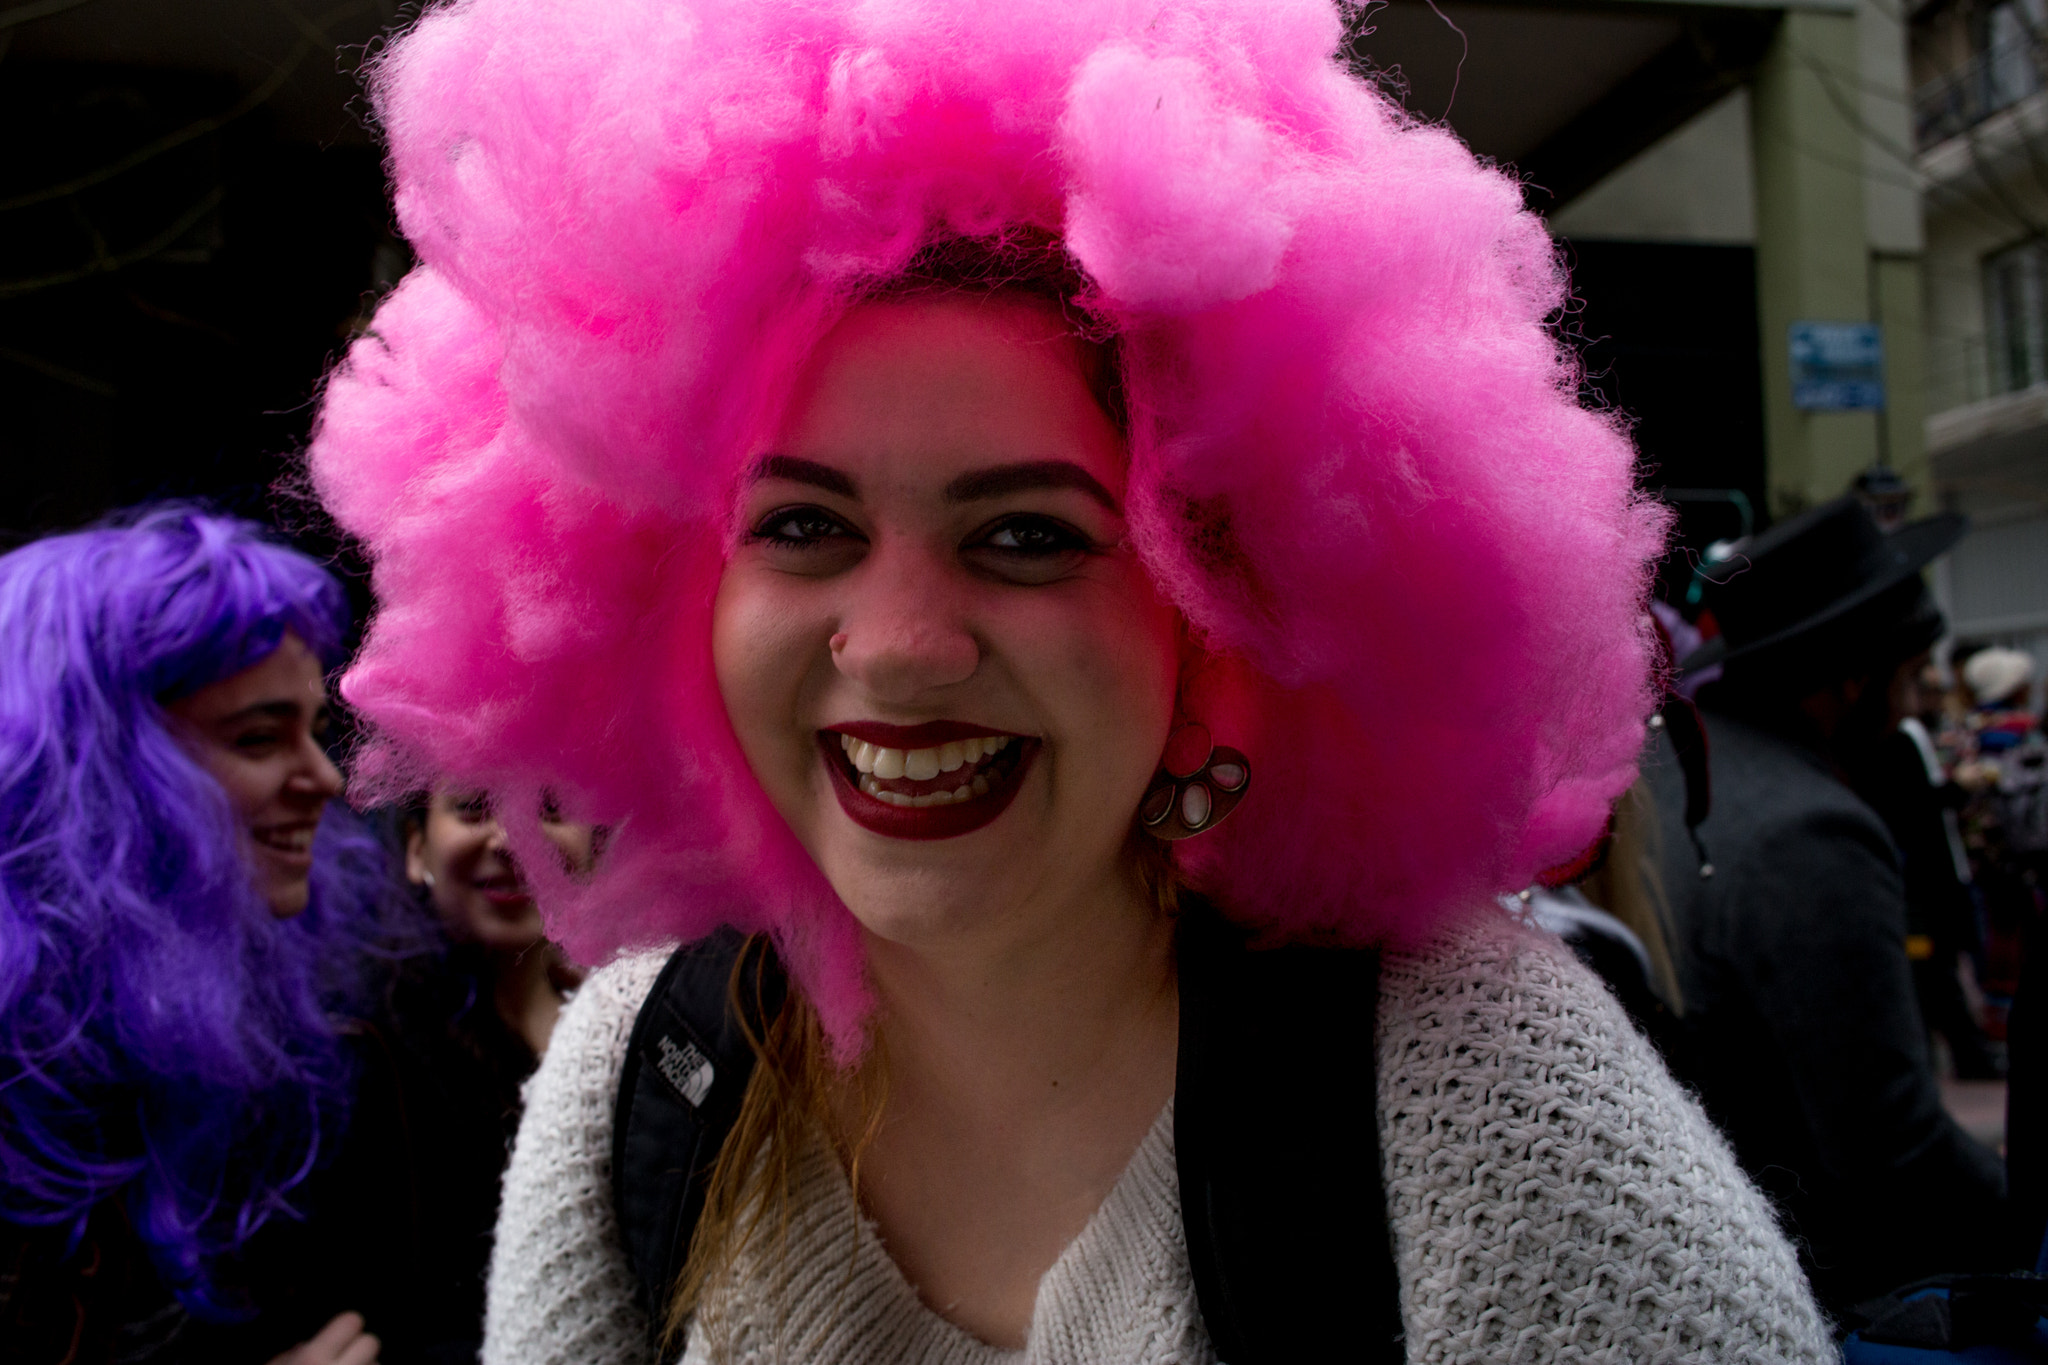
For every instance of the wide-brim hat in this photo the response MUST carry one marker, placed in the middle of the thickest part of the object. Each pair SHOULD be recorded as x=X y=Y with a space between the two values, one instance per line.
x=1810 y=575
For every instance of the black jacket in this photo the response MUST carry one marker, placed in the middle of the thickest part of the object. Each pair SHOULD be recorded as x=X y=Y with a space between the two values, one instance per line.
x=1801 y=1032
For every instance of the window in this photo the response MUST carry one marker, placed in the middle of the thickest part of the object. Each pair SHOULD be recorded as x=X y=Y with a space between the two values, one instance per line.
x=2011 y=44
x=2016 y=316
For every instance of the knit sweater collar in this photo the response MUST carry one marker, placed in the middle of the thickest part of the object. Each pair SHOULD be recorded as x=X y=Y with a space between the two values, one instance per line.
x=1122 y=1290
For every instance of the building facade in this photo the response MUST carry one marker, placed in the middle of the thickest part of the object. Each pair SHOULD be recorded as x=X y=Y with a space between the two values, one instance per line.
x=1980 y=108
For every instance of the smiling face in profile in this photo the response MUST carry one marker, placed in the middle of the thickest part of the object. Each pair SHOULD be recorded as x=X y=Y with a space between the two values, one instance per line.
x=944 y=663
x=258 y=734
x=459 y=851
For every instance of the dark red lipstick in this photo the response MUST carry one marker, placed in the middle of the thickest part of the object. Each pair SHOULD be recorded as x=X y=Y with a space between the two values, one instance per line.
x=1004 y=773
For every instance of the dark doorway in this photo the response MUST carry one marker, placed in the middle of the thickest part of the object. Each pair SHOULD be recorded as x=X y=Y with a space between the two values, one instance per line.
x=1669 y=335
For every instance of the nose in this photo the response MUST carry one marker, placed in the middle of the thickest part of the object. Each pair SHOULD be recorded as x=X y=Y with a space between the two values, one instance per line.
x=317 y=776
x=904 y=634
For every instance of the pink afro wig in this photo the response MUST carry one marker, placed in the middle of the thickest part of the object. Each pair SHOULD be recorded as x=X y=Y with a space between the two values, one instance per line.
x=1359 y=466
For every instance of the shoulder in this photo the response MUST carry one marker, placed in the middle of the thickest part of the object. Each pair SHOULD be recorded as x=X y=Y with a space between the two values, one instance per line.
x=560 y=1289
x=1550 y=1186
x=579 y=1075
x=1761 y=780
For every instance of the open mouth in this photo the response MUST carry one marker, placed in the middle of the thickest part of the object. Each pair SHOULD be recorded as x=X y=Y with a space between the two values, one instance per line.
x=294 y=841
x=504 y=890
x=931 y=781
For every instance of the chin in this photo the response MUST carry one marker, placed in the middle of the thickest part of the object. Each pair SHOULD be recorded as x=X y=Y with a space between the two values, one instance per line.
x=912 y=920
x=915 y=893
x=288 y=901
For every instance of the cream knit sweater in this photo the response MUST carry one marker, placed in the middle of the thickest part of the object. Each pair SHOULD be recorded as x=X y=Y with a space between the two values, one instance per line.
x=1554 y=1196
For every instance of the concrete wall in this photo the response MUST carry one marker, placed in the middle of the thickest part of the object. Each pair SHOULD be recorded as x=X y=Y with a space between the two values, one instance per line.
x=1695 y=186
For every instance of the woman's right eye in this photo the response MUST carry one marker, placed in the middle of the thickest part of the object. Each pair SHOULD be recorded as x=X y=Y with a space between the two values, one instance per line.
x=799 y=528
x=807 y=540
x=254 y=742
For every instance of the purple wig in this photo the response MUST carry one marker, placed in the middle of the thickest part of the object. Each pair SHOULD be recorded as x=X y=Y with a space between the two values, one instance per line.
x=163 y=1038
x=1358 y=464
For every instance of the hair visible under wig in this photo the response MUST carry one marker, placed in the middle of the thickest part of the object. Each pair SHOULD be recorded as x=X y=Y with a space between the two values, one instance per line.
x=163 y=1037
x=1415 y=564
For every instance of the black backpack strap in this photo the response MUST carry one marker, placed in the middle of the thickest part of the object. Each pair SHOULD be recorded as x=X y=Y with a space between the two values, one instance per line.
x=1275 y=1131
x=687 y=1068
x=1276 y=1135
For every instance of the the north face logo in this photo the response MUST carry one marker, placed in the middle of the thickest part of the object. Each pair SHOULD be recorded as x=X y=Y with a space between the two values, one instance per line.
x=686 y=1068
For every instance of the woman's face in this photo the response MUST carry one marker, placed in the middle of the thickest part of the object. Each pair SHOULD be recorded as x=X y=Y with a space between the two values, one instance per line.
x=944 y=664
x=258 y=734
x=459 y=853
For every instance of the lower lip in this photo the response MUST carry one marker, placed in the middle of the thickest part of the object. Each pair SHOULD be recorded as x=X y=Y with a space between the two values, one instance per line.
x=298 y=859
x=498 y=895
x=921 y=822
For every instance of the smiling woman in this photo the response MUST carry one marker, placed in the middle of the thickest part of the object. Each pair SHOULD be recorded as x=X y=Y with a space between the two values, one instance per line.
x=179 y=913
x=258 y=734
x=1016 y=509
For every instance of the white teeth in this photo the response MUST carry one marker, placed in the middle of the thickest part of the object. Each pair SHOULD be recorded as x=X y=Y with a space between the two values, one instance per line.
x=874 y=761
x=979 y=787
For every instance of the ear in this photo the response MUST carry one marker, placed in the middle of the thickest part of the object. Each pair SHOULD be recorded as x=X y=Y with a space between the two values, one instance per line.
x=416 y=854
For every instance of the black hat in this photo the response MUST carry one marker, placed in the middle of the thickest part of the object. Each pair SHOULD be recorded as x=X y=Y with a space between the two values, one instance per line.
x=1826 y=578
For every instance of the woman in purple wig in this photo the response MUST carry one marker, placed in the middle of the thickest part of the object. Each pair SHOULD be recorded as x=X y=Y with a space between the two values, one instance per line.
x=181 y=918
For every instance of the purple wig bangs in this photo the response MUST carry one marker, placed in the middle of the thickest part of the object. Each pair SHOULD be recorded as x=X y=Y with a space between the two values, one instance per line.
x=1359 y=467
x=163 y=1038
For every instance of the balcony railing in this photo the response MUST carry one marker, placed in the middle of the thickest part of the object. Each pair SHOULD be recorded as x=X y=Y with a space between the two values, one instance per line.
x=1990 y=81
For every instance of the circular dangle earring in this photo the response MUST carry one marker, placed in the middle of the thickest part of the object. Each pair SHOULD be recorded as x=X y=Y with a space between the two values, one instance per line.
x=1198 y=783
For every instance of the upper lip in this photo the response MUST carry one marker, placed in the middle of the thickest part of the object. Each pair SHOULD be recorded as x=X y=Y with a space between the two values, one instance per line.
x=929 y=735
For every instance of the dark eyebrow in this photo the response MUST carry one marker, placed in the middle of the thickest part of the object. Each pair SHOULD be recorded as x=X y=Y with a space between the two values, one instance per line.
x=1015 y=478
x=806 y=471
x=267 y=710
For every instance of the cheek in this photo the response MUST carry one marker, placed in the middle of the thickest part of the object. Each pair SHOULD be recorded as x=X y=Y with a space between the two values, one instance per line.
x=761 y=645
x=453 y=849
x=1114 y=673
x=251 y=788
x=573 y=843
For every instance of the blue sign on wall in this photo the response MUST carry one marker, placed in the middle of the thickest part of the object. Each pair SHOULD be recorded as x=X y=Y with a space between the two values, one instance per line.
x=1837 y=366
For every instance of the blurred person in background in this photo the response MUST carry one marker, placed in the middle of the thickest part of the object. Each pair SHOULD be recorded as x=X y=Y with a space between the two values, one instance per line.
x=2004 y=767
x=469 y=1025
x=2001 y=766
x=1801 y=1030
x=457 y=853
x=1995 y=680
x=1905 y=781
x=186 y=917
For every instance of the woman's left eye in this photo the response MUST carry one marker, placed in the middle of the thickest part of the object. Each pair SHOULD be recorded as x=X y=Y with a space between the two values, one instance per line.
x=1029 y=548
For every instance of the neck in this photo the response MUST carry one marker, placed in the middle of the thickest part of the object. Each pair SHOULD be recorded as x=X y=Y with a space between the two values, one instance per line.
x=1063 y=1000
x=523 y=992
